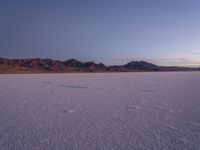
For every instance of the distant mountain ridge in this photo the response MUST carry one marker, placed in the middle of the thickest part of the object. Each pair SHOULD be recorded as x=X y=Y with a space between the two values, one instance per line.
x=37 y=65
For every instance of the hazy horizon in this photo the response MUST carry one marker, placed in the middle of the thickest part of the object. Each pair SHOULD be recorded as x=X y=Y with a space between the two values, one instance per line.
x=112 y=32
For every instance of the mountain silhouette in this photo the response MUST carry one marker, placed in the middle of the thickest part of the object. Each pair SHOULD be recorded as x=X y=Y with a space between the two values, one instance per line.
x=37 y=65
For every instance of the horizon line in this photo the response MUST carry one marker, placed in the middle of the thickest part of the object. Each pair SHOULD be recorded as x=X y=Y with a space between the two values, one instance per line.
x=101 y=62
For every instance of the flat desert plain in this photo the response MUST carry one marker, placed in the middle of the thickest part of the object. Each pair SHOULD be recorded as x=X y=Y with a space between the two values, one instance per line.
x=100 y=111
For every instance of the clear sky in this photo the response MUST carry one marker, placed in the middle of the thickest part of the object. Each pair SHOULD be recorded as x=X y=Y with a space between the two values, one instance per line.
x=165 y=32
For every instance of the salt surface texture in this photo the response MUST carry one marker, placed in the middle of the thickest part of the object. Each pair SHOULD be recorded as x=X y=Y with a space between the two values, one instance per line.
x=122 y=111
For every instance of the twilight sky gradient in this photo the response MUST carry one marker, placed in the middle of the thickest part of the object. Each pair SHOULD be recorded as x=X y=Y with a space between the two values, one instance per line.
x=165 y=32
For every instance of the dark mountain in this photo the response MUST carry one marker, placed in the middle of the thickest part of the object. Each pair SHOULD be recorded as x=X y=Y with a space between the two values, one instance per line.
x=141 y=65
x=38 y=65
x=73 y=63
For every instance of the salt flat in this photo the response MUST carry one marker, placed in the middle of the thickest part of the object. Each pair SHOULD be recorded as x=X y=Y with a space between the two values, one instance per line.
x=105 y=111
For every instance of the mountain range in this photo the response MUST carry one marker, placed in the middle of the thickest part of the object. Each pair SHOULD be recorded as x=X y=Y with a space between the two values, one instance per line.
x=37 y=65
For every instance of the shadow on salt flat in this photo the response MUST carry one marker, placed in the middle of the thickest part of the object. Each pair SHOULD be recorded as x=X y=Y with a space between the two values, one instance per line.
x=72 y=86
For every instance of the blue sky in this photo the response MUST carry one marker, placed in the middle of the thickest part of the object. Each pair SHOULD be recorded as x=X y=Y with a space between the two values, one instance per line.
x=165 y=32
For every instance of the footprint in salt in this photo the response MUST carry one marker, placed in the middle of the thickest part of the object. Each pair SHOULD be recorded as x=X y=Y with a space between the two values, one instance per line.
x=47 y=84
x=172 y=128
x=158 y=107
x=72 y=86
x=147 y=90
x=68 y=111
x=133 y=107
x=71 y=111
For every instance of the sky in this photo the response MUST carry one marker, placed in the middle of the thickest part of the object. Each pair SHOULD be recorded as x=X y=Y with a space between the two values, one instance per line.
x=164 y=32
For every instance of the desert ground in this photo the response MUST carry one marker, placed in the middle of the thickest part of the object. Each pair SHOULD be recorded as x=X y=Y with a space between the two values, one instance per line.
x=100 y=111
